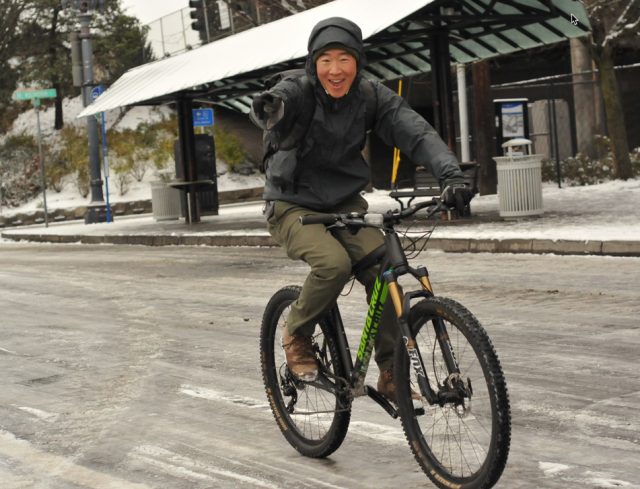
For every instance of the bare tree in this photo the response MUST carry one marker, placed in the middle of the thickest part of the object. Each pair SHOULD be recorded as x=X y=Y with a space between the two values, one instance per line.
x=615 y=24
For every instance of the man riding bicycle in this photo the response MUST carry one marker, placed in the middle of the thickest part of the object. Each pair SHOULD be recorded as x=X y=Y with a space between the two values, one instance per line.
x=325 y=173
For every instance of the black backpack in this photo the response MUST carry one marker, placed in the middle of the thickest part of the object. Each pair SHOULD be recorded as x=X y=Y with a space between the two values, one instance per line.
x=292 y=137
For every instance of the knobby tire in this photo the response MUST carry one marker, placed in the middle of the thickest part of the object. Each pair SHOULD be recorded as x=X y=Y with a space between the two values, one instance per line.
x=317 y=423
x=464 y=446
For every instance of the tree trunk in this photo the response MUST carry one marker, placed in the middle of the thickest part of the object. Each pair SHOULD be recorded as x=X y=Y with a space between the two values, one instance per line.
x=583 y=97
x=614 y=113
x=53 y=61
x=484 y=127
x=59 y=119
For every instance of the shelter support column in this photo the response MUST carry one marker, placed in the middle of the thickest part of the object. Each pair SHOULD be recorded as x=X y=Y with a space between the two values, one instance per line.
x=188 y=154
x=463 y=114
x=442 y=87
x=484 y=127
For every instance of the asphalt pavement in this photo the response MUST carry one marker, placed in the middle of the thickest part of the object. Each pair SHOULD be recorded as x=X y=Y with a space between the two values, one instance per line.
x=135 y=367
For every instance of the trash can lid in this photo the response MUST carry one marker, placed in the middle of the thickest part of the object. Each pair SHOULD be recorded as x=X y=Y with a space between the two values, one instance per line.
x=516 y=142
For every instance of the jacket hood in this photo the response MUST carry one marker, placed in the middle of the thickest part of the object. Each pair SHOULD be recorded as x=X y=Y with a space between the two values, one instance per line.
x=334 y=31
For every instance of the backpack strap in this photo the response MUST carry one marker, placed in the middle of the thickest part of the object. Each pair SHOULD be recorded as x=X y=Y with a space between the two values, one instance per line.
x=289 y=137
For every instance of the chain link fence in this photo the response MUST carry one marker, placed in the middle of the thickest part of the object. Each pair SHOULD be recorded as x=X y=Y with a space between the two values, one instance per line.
x=566 y=112
x=172 y=33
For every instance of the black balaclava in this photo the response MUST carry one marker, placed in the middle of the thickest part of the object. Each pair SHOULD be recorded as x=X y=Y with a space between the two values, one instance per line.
x=335 y=32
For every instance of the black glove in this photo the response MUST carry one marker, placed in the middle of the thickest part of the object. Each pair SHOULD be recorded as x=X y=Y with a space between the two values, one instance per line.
x=265 y=104
x=457 y=194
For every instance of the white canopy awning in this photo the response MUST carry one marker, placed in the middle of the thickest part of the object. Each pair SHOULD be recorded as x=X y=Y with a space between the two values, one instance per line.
x=268 y=44
x=396 y=35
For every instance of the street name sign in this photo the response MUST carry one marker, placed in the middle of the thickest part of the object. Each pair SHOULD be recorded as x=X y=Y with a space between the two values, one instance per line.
x=35 y=94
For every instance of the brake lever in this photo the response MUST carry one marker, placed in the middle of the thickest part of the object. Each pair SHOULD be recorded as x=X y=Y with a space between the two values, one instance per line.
x=337 y=225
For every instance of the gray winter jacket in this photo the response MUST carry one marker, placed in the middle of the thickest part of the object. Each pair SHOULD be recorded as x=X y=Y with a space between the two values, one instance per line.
x=328 y=167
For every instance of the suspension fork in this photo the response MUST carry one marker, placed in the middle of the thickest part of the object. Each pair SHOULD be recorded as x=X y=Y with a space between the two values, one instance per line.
x=402 y=306
x=445 y=346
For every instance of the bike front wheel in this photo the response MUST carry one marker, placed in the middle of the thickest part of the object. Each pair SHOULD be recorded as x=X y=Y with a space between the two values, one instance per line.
x=313 y=416
x=463 y=439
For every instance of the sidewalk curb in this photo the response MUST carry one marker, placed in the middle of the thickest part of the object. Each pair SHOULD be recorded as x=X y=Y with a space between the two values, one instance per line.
x=451 y=245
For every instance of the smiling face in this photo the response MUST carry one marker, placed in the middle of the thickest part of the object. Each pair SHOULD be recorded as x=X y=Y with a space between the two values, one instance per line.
x=336 y=70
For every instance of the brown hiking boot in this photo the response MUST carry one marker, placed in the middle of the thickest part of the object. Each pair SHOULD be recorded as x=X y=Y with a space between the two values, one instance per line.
x=301 y=358
x=387 y=387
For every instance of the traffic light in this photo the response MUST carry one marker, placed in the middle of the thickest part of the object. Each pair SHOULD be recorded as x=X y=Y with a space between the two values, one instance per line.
x=199 y=16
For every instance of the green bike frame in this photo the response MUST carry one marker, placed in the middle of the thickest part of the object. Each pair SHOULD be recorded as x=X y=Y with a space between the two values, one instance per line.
x=386 y=286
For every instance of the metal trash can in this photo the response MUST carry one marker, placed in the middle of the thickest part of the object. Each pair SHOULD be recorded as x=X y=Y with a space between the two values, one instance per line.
x=165 y=202
x=519 y=180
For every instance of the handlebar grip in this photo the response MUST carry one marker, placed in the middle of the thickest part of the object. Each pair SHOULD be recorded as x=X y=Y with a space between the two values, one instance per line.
x=318 y=219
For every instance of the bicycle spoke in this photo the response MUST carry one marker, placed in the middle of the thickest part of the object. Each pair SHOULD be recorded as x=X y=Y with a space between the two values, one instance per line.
x=312 y=416
x=456 y=437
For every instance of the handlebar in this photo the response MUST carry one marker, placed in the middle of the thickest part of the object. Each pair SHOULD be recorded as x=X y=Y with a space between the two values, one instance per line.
x=319 y=219
x=374 y=219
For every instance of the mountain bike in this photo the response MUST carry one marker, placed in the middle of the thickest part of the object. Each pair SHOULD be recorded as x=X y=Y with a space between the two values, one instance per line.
x=459 y=429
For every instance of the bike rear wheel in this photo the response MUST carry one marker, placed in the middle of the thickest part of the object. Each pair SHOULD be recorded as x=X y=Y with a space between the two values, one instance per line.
x=313 y=417
x=464 y=442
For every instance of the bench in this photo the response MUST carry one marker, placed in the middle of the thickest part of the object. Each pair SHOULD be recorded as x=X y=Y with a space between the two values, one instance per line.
x=426 y=185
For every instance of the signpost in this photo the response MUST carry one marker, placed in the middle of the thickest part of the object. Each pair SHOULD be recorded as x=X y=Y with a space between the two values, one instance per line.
x=35 y=96
x=95 y=93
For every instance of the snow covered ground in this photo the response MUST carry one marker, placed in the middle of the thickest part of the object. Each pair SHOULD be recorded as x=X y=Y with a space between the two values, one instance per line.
x=606 y=212
x=69 y=196
x=609 y=211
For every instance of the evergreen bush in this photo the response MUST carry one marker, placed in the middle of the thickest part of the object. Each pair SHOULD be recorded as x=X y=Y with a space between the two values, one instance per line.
x=581 y=170
x=19 y=169
x=228 y=148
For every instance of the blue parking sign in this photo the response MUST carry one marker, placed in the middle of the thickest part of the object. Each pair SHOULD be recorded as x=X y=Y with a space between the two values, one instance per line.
x=202 y=117
x=96 y=91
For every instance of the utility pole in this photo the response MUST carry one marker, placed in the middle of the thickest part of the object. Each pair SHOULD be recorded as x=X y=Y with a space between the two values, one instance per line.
x=96 y=210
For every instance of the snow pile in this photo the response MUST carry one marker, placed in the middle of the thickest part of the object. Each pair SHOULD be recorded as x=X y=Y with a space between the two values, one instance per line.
x=609 y=211
x=118 y=119
x=69 y=197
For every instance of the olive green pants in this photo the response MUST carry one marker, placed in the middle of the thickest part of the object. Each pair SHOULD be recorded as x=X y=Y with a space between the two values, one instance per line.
x=331 y=256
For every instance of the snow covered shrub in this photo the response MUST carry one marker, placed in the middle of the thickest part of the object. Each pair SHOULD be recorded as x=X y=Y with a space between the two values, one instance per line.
x=74 y=155
x=19 y=169
x=582 y=170
x=162 y=153
x=228 y=148
x=635 y=162
x=57 y=167
x=122 y=146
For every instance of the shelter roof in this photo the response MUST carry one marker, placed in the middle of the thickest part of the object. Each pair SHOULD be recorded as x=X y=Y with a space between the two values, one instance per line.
x=228 y=71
